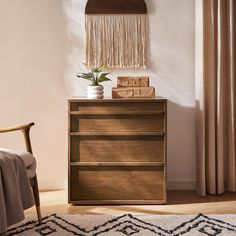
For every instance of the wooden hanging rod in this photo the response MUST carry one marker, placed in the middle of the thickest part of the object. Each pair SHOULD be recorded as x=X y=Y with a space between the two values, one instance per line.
x=116 y=7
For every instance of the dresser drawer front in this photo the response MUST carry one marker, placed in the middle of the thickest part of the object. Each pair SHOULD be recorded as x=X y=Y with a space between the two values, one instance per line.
x=122 y=124
x=118 y=106
x=117 y=183
x=118 y=150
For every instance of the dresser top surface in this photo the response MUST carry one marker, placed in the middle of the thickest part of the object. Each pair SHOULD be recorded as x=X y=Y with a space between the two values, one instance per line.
x=109 y=99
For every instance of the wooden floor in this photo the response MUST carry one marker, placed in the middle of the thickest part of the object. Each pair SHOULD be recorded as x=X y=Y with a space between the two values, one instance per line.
x=179 y=202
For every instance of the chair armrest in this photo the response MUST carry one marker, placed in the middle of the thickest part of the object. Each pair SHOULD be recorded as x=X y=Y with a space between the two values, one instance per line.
x=15 y=128
x=25 y=129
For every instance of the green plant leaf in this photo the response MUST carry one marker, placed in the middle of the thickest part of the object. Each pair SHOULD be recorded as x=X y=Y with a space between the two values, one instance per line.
x=103 y=78
x=88 y=76
x=104 y=74
x=95 y=70
x=98 y=69
x=101 y=68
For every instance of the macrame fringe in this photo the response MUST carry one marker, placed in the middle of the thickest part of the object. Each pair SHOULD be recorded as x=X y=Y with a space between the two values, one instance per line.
x=116 y=41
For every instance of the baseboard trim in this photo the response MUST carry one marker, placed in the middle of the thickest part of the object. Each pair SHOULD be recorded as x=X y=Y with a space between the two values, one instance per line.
x=181 y=184
x=52 y=186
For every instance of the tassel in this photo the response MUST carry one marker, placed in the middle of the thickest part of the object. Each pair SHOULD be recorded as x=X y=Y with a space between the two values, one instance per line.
x=116 y=41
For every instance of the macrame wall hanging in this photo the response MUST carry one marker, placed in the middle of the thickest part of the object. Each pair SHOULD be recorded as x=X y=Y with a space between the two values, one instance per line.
x=116 y=33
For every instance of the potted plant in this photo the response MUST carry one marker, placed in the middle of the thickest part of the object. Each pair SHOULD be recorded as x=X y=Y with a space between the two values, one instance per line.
x=96 y=76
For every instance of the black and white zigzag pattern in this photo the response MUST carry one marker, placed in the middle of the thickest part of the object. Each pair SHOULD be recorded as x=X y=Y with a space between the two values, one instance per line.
x=125 y=225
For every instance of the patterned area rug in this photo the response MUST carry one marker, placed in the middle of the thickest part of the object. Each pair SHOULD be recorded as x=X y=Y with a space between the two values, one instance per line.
x=124 y=225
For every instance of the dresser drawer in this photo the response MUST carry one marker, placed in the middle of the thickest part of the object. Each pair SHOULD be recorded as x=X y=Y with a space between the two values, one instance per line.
x=121 y=106
x=126 y=149
x=117 y=183
x=146 y=124
x=124 y=123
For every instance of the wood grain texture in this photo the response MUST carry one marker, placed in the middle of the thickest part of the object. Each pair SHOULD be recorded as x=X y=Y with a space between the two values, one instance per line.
x=117 y=164
x=117 y=202
x=133 y=92
x=116 y=7
x=122 y=142
x=110 y=100
x=124 y=124
x=15 y=128
x=141 y=81
x=118 y=150
x=105 y=113
x=186 y=202
x=117 y=183
x=119 y=105
x=113 y=134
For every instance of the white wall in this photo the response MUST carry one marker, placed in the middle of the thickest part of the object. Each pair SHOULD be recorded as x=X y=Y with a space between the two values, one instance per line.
x=41 y=50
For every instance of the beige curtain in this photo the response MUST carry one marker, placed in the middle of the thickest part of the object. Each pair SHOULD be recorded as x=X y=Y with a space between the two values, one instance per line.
x=216 y=99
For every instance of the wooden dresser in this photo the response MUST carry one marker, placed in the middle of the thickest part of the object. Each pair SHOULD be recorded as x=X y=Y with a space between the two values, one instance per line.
x=117 y=151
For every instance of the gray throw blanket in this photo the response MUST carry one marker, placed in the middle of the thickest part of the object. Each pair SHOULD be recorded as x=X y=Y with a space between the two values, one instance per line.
x=15 y=191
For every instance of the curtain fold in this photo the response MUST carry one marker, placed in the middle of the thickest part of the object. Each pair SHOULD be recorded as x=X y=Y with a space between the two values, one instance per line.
x=216 y=111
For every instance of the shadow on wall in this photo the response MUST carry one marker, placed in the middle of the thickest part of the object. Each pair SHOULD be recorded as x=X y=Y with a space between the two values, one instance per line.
x=181 y=147
x=171 y=55
x=152 y=9
x=171 y=68
x=74 y=11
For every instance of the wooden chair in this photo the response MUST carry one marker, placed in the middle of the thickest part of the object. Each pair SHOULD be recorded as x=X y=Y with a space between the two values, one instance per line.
x=33 y=181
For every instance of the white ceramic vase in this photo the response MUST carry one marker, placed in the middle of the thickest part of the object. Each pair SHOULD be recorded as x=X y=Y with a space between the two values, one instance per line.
x=95 y=92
